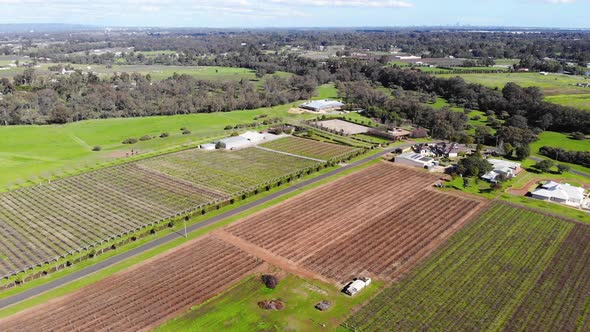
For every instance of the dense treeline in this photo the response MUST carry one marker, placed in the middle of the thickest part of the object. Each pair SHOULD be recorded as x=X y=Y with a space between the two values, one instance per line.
x=559 y=154
x=574 y=46
x=524 y=107
x=79 y=97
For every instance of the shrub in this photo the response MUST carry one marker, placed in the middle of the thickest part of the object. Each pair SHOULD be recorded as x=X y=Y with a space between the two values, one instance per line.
x=130 y=140
x=578 y=136
x=145 y=138
x=186 y=132
x=183 y=128
x=97 y=148
x=228 y=127
x=164 y=135
x=270 y=281
x=235 y=133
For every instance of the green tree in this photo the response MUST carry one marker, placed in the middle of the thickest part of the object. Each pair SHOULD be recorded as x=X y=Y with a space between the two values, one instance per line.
x=562 y=168
x=522 y=152
x=544 y=165
x=508 y=149
x=474 y=166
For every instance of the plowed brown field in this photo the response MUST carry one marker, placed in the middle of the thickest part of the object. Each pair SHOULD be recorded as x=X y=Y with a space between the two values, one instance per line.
x=379 y=222
x=142 y=297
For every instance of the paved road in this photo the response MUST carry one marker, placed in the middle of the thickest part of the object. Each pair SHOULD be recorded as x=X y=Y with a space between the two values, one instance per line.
x=6 y=302
x=574 y=171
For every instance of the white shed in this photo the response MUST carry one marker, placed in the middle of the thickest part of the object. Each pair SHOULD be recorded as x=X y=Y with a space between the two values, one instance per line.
x=415 y=159
x=207 y=146
x=357 y=286
x=232 y=143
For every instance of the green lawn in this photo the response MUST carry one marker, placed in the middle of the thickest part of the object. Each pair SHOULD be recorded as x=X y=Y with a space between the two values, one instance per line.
x=237 y=309
x=326 y=91
x=32 y=151
x=552 y=84
x=555 y=139
x=581 y=101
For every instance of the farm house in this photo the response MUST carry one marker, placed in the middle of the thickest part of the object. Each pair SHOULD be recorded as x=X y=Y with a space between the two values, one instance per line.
x=505 y=168
x=322 y=105
x=415 y=160
x=560 y=193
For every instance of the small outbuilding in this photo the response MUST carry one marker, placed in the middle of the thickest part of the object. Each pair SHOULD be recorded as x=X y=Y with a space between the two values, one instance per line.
x=356 y=286
x=323 y=306
x=207 y=146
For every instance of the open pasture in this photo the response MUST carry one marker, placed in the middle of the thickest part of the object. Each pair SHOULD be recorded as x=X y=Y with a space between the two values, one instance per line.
x=581 y=101
x=510 y=269
x=42 y=223
x=31 y=151
x=379 y=222
x=552 y=84
x=142 y=297
x=308 y=148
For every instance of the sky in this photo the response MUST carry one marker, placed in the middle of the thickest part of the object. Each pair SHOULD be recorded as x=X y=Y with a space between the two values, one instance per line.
x=300 y=13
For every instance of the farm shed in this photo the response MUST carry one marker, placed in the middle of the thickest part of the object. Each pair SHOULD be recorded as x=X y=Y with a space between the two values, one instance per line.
x=232 y=143
x=357 y=286
x=322 y=105
x=415 y=160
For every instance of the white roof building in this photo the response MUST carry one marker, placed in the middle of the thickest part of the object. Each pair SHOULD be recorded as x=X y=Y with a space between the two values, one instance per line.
x=501 y=167
x=207 y=146
x=322 y=105
x=560 y=193
x=234 y=142
x=415 y=159
x=357 y=286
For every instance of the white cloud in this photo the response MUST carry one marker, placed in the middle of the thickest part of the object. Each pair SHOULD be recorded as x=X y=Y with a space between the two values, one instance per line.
x=348 y=3
x=559 y=1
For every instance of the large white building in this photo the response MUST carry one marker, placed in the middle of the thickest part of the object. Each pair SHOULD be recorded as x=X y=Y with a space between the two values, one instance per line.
x=233 y=143
x=415 y=160
x=322 y=105
x=560 y=193
x=506 y=168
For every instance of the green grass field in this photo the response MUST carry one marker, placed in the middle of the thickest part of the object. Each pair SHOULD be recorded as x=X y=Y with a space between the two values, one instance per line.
x=32 y=151
x=555 y=139
x=552 y=84
x=237 y=309
x=487 y=275
x=581 y=101
x=326 y=91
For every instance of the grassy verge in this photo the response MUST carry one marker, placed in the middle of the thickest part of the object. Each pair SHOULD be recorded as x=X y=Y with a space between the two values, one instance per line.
x=151 y=253
x=237 y=309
